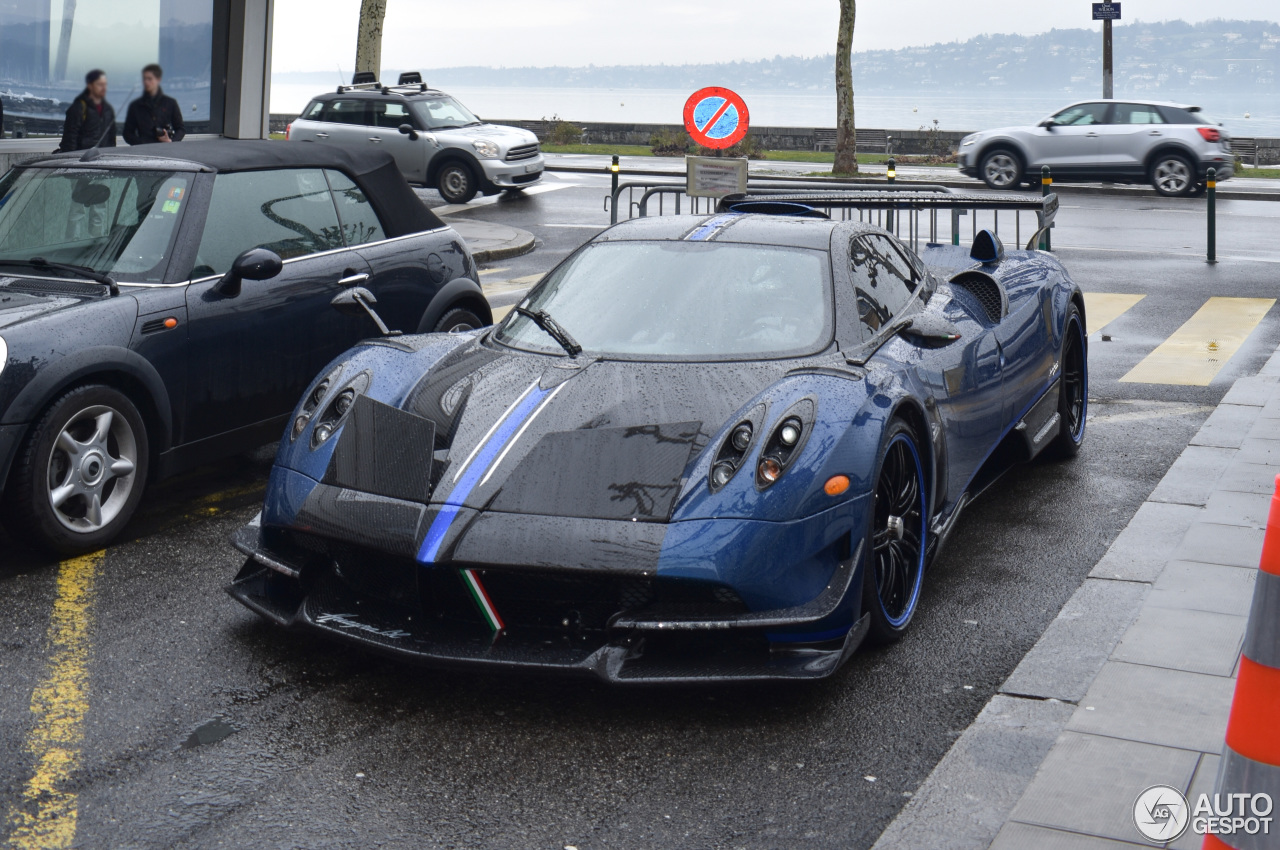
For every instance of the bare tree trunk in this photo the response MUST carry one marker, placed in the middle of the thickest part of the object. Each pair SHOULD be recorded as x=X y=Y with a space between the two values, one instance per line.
x=846 y=143
x=369 y=36
x=64 y=40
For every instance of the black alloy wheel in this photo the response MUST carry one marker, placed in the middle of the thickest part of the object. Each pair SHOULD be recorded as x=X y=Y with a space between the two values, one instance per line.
x=898 y=536
x=456 y=321
x=1073 y=396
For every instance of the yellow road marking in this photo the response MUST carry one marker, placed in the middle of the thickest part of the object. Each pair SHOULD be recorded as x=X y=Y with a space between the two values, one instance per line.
x=46 y=817
x=1103 y=308
x=500 y=313
x=529 y=279
x=1199 y=349
x=492 y=271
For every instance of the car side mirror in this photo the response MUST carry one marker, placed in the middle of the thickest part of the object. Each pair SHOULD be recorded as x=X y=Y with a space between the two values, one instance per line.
x=254 y=264
x=358 y=301
x=407 y=130
x=930 y=330
x=1048 y=123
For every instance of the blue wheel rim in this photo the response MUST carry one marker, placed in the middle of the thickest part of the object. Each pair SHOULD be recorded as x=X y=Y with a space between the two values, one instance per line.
x=899 y=531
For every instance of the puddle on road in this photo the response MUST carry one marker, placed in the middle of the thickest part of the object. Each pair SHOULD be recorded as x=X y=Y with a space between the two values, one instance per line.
x=210 y=733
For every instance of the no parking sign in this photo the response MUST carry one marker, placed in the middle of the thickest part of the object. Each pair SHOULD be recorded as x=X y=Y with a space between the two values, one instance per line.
x=716 y=117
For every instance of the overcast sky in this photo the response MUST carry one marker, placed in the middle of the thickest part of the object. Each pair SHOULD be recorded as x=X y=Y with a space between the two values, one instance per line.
x=315 y=35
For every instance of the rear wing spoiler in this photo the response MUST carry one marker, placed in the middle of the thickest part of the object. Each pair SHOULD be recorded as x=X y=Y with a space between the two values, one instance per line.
x=905 y=200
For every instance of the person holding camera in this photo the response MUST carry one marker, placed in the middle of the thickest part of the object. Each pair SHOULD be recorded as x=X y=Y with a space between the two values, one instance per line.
x=153 y=117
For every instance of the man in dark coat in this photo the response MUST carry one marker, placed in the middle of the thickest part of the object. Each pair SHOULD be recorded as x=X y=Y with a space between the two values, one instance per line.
x=154 y=117
x=90 y=118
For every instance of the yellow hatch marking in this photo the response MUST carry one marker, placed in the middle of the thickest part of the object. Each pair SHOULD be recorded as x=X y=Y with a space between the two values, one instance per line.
x=1199 y=349
x=46 y=817
x=1103 y=308
x=500 y=313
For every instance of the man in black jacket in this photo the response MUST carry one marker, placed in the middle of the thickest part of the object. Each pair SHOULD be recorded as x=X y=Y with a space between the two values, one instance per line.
x=154 y=117
x=90 y=118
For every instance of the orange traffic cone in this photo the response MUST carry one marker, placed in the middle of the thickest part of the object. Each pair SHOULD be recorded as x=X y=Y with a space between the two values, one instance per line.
x=1251 y=758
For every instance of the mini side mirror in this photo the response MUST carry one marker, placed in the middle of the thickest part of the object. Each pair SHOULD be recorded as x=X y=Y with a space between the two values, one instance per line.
x=254 y=264
x=407 y=130
x=931 y=330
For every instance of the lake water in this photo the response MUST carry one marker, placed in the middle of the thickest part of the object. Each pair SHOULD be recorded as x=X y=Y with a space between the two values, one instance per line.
x=807 y=109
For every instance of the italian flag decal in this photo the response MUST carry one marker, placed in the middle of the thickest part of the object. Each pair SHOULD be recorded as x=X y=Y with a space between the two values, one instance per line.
x=483 y=601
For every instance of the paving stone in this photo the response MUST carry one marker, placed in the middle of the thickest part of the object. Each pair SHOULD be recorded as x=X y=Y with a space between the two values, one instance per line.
x=1021 y=836
x=1272 y=366
x=1169 y=708
x=1193 y=586
x=1088 y=784
x=971 y=791
x=1078 y=642
x=1256 y=390
x=1178 y=639
x=1140 y=552
x=1228 y=507
x=1227 y=426
x=1202 y=782
x=1260 y=450
x=1232 y=545
x=1243 y=477
x=1190 y=479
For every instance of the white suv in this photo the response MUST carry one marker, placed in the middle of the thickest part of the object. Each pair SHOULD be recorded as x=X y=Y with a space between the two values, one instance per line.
x=436 y=140
x=1169 y=145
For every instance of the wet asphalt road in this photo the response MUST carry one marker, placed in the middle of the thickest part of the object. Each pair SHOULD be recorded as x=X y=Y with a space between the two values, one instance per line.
x=204 y=727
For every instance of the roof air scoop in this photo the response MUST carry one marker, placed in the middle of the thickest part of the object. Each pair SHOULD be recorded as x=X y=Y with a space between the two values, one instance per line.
x=987 y=248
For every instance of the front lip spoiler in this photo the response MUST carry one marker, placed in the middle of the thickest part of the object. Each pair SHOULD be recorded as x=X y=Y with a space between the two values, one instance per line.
x=617 y=657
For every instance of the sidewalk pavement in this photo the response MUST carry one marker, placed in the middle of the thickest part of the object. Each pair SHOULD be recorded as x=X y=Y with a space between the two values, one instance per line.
x=490 y=242
x=1131 y=684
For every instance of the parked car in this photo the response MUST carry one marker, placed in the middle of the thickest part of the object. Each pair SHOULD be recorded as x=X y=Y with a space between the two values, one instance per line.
x=160 y=310
x=1171 y=146
x=610 y=484
x=436 y=141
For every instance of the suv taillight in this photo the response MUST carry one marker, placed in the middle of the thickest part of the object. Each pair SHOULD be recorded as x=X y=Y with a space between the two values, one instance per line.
x=1209 y=134
x=288 y=128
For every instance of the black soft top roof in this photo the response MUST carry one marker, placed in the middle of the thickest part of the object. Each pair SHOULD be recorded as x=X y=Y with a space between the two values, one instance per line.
x=402 y=212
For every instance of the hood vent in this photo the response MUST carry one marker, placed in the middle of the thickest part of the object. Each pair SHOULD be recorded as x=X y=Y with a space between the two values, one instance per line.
x=988 y=292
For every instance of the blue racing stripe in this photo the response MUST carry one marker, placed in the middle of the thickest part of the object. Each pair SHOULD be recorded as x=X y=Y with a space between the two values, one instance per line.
x=475 y=470
x=711 y=227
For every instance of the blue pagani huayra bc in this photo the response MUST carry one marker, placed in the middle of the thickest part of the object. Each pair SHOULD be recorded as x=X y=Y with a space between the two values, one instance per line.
x=702 y=448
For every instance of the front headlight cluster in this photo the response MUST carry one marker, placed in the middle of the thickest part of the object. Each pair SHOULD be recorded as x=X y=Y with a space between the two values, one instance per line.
x=968 y=141
x=782 y=446
x=312 y=402
x=486 y=149
x=335 y=412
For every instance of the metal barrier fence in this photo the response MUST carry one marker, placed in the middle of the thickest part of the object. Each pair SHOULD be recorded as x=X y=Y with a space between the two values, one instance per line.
x=911 y=211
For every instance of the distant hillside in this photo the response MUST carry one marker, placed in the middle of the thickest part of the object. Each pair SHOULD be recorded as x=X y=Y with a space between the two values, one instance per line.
x=1240 y=56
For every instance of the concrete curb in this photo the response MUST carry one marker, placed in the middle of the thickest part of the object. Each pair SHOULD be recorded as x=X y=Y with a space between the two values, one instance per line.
x=1064 y=189
x=490 y=242
x=971 y=794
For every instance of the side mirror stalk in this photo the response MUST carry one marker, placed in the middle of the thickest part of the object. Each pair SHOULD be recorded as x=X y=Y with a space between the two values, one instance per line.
x=254 y=264
x=357 y=300
x=407 y=130
x=930 y=330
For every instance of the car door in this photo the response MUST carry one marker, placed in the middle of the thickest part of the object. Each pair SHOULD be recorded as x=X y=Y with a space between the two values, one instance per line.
x=1133 y=130
x=346 y=122
x=251 y=355
x=965 y=377
x=410 y=153
x=1071 y=142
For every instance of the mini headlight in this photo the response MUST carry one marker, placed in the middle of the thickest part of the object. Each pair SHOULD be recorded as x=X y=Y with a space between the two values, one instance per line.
x=299 y=425
x=769 y=470
x=790 y=433
x=323 y=432
x=485 y=149
x=721 y=473
x=742 y=436
x=344 y=401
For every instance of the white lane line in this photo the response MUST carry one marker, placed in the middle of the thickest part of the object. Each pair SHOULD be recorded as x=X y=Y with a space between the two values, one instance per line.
x=582 y=226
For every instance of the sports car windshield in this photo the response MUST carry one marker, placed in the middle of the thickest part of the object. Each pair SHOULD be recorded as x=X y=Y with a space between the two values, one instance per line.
x=690 y=300
x=120 y=222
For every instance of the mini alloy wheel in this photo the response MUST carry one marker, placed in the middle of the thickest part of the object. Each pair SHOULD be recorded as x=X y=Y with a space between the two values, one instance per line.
x=91 y=469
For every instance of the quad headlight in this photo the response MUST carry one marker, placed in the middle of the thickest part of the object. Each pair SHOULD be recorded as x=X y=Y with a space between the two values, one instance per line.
x=486 y=149
x=335 y=412
x=312 y=403
x=785 y=442
x=732 y=455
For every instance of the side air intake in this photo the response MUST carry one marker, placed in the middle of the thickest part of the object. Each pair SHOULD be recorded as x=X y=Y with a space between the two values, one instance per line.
x=987 y=290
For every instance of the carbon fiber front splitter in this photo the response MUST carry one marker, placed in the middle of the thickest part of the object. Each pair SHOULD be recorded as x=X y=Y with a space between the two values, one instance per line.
x=620 y=656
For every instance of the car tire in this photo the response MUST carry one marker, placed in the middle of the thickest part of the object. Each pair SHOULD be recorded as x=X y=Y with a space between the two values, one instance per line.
x=456 y=182
x=897 y=536
x=458 y=320
x=1073 y=387
x=1172 y=175
x=1001 y=168
x=80 y=474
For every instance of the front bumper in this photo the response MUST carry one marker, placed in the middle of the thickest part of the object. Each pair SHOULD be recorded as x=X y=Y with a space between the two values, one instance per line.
x=622 y=627
x=499 y=174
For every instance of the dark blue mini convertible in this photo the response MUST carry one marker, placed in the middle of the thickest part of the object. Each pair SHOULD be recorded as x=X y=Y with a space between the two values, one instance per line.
x=702 y=448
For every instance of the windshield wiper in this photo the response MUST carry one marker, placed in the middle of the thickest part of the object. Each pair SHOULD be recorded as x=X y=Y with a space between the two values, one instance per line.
x=41 y=264
x=543 y=319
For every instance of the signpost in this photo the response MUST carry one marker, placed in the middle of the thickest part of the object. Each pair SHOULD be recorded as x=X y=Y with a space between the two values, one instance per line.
x=1106 y=12
x=716 y=117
